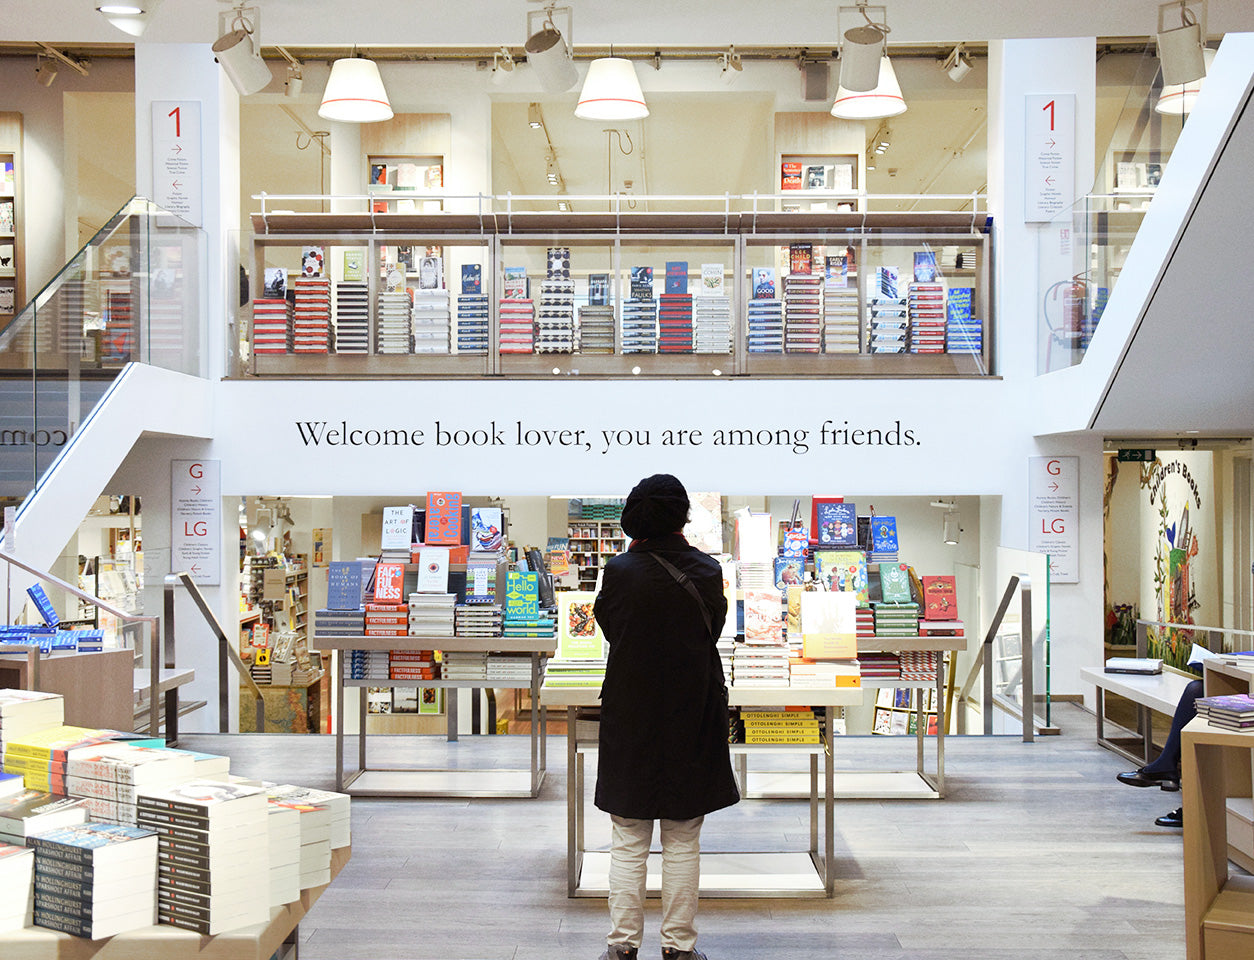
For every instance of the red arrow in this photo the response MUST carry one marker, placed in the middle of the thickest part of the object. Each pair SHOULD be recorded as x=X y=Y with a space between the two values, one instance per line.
x=1050 y=181
x=196 y=489
x=176 y=185
x=1053 y=143
x=195 y=568
x=1053 y=486
x=178 y=148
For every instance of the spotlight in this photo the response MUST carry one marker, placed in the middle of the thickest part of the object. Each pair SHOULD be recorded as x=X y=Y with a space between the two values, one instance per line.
x=956 y=65
x=535 y=120
x=730 y=66
x=563 y=206
x=294 y=82
x=237 y=51
x=548 y=53
x=130 y=18
x=551 y=172
x=950 y=528
x=864 y=45
x=1180 y=48
x=45 y=72
x=502 y=66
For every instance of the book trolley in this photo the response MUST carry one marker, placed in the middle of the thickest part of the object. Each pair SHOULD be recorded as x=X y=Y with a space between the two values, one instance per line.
x=795 y=874
x=415 y=782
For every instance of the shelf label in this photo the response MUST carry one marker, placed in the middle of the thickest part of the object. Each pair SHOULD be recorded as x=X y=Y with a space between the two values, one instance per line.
x=196 y=520
x=1049 y=156
x=177 y=160
x=1054 y=514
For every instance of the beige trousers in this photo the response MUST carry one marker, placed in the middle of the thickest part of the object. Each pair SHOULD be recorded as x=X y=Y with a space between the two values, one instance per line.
x=681 y=871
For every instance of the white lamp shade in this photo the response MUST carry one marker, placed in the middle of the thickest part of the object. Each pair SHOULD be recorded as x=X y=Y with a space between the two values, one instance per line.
x=1181 y=54
x=354 y=93
x=884 y=101
x=611 y=91
x=549 y=57
x=1178 y=99
x=243 y=65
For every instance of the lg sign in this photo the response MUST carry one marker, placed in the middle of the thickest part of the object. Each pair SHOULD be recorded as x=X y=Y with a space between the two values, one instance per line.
x=196 y=520
x=1053 y=486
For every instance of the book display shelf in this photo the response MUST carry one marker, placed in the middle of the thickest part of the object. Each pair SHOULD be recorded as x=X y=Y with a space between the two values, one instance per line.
x=12 y=269
x=804 y=873
x=592 y=542
x=524 y=294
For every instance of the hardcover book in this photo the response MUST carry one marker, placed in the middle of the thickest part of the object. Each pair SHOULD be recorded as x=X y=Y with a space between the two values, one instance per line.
x=884 y=535
x=522 y=596
x=642 y=283
x=677 y=276
x=940 y=598
x=444 y=518
x=764 y=617
x=801 y=257
x=514 y=283
x=895 y=583
x=344 y=585
x=579 y=637
x=472 y=278
x=486 y=529
x=712 y=279
x=837 y=524
x=763 y=283
x=829 y=625
x=924 y=266
x=598 y=289
x=389 y=582
x=843 y=570
x=398 y=528
x=311 y=262
x=789 y=572
x=433 y=570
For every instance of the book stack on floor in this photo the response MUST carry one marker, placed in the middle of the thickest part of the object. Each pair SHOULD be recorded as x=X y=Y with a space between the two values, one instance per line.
x=1233 y=712
x=927 y=318
x=109 y=776
x=311 y=321
x=23 y=712
x=517 y=325
x=430 y=321
x=212 y=867
x=315 y=836
x=352 y=318
x=472 y=323
x=392 y=330
x=765 y=725
x=555 y=316
x=766 y=325
x=964 y=333
x=95 y=880
x=17 y=875
x=879 y=666
x=803 y=312
x=480 y=620
x=272 y=326
x=415 y=665
x=918 y=665
x=31 y=812
x=431 y=614
x=596 y=329
x=889 y=323
x=283 y=852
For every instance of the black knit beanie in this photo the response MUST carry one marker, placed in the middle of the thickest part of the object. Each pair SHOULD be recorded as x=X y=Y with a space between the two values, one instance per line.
x=656 y=506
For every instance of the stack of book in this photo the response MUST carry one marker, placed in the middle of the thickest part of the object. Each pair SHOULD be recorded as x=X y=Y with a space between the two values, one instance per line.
x=918 y=664
x=431 y=614
x=315 y=836
x=283 y=849
x=272 y=327
x=387 y=619
x=764 y=725
x=675 y=332
x=24 y=712
x=555 y=316
x=726 y=646
x=842 y=321
x=472 y=323
x=517 y=331
x=825 y=674
x=31 y=812
x=464 y=665
x=367 y=665
x=942 y=629
x=865 y=622
x=927 y=317
x=311 y=320
x=340 y=623
x=639 y=323
x=415 y=665
x=337 y=805
x=896 y=619
x=430 y=320
x=539 y=627
x=1233 y=712
x=711 y=324
x=803 y=313
x=766 y=325
x=889 y=322
x=596 y=329
x=212 y=867
x=574 y=672
x=17 y=875
x=511 y=668
x=392 y=331
x=760 y=665
x=483 y=620
x=880 y=666
x=964 y=332
x=108 y=777
x=352 y=318
x=95 y=880
x=40 y=756
x=755 y=575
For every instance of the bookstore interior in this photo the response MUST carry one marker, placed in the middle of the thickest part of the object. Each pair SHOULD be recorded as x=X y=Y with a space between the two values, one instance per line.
x=413 y=287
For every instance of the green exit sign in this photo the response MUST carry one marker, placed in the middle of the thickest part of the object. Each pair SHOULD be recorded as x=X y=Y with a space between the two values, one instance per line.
x=1136 y=456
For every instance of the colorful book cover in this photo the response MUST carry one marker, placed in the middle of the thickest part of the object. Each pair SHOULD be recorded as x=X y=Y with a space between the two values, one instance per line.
x=801 y=257
x=925 y=266
x=676 y=276
x=522 y=596
x=829 y=625
x=790 y=175
x=712 y=279
x=763 y=283
x=598 y=289
x=472 y=278
x=354 y=266
x=884 y=534
x=704 y=529
x=444 y=518
x=895 y=583
x=578 y=636
x=486 y=529
x=843 y=570
x=642 y=283
x=940 y=598
x=836 y=272
x=344 y=585
x=958 y=304
x=43 y=605
x=789 y=572
x=796 y=542
x=389 y=582
x=514 y=283
x=837 y=524
x=764 y=620
x=312 y=262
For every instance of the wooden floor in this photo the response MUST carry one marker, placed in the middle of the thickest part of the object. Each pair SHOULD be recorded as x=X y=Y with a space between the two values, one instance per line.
x=1036 y=853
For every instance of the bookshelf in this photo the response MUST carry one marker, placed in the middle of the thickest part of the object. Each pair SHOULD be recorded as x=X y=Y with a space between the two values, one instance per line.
x=592 y=542
x=12 y=251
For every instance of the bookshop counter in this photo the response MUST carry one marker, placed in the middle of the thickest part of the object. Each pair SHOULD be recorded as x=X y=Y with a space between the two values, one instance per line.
x=723 y=874
x=161 y=942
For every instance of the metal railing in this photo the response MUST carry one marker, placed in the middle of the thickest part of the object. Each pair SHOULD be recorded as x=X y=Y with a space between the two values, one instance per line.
x=226 y=651
x=153 y=634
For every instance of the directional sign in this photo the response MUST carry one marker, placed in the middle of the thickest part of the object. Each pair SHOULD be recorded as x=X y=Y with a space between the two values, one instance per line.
x=1054 y=514
x=177 y=162
x=196 y=519
x=1049 y=156
x=1138 y=455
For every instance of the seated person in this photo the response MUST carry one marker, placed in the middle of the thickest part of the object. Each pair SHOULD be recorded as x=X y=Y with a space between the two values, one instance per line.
x=1164 y=772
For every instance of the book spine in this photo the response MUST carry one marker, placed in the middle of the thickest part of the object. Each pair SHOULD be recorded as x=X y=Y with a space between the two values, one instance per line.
x=190 y=810
x=73 y=906
x=64 y=870
x=166 y=916
x=60 y=887
x=60 y=851
x=77 y=926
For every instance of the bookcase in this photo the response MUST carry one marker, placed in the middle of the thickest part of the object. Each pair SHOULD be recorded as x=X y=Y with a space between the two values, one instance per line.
x=12 y=265
x=592 y=542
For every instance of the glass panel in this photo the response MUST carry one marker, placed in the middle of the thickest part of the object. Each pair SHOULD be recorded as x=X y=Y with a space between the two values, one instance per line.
x=1009 y=669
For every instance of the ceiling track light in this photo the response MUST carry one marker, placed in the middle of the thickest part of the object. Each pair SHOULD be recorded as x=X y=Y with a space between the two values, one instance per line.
x=295 y=74
x=730 y=66
x=957 y=65
x=45 y=71
x=52 y=56
x=130 y=18
x=535 y=119
x=238 y=49
x=502 y=66
x=548 y=52
x=1180 y=46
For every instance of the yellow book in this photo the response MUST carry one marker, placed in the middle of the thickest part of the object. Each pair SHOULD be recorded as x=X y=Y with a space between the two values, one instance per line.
x=746 y=714
x=781 y=738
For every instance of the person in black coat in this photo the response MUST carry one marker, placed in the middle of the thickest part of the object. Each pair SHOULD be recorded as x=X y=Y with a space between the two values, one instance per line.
x=663 y=737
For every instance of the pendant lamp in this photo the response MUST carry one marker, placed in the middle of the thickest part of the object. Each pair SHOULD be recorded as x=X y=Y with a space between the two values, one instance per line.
x=1178 y=99
x=130 y=18
x=611 y=91
x=354 y=93
x=884 y=101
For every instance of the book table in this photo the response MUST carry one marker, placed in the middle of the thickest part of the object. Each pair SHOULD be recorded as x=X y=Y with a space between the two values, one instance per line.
x=161 y=942
x=723 y=874
x=416 y=782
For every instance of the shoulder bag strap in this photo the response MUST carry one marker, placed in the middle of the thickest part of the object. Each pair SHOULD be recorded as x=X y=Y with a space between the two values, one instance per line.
x=686 y=582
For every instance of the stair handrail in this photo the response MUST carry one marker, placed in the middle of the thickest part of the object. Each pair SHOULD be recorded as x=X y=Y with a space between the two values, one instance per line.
x=226 y=651
x=984 y=662
x=153 y=623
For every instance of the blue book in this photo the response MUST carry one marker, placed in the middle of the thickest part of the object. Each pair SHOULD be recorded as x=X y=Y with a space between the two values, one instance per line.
x=43 y=604
x=837 y=524
x=924 y=266
x=677 y=276
x=472 y=278
x=884 y=535
x=344 y=579
x=958 y=304
x=522 y=596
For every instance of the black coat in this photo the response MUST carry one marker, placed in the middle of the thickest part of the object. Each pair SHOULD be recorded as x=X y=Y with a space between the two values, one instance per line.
x=663 y=742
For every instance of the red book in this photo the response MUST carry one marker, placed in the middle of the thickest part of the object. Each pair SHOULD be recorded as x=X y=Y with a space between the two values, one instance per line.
x=389 y=581
x=444 y=519
x=940 y=599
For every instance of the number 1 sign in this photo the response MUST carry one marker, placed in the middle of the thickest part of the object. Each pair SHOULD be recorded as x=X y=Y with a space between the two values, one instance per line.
x=1049 y=156
x=176 y=158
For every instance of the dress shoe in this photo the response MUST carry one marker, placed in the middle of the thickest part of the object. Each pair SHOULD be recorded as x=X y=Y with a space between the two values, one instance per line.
x=1146 y=778
x=1173 y=819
